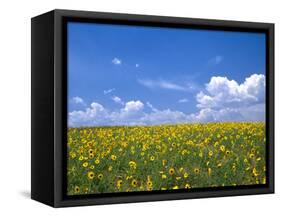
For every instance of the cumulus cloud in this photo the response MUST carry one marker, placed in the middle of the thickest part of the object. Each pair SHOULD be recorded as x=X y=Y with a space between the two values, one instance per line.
x=251 y=113
x=97 y=115
x=221 y=92
x=117 y=100
x=222 y=100
x=226 y=100
x=130 y=114
x=77 y=100
x=133 y=106
x=94 y=115
x=116 y=61
x=166 y=116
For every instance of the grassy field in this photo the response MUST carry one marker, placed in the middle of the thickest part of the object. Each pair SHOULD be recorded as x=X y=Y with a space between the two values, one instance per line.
x=145 y=158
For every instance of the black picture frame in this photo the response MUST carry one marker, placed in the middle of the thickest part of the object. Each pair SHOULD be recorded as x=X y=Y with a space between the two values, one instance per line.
x=49 y=107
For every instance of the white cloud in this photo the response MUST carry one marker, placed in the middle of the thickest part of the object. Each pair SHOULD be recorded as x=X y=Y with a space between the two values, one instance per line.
x=133 y=106
x=77 y=100
x=221 y=100
x=184 y=100
x=216 y=60
x=105 y=92
x=96 y=114
x=162 y=84
x=130 y=114
x=221 y=92
x=116 y=61
x=95 y=109
x=164 y=117
x=151 y=107
x=250 y=113
x=226 y=100
x=117 y=100
x=137 y=65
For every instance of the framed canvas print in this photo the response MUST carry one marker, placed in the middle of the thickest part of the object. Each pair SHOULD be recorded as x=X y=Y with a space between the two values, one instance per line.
x=133 y=108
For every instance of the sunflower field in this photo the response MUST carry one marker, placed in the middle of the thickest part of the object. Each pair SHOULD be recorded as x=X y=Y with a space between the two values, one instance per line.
x=182 y=156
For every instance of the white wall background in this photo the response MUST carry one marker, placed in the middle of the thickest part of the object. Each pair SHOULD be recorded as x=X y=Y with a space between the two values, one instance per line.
x=15 y=106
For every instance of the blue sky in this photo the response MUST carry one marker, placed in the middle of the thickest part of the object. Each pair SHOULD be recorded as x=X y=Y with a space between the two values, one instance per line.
x=131 y=75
